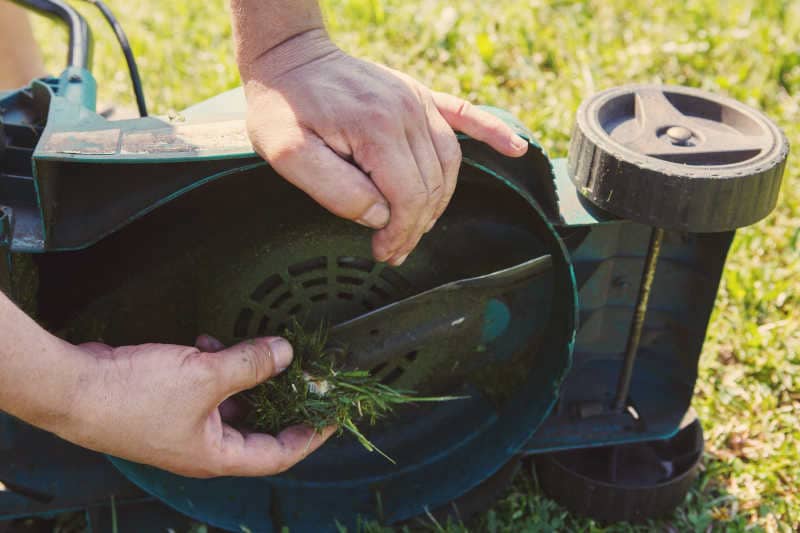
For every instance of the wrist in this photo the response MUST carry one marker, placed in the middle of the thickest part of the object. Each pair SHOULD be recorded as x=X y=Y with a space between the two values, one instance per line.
x=53 y=404
x=299 y=49
x=60 y=411
x=40 y=375
x=261 y=25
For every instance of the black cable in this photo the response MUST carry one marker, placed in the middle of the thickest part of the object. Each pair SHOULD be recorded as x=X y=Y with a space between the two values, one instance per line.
x=126 y=49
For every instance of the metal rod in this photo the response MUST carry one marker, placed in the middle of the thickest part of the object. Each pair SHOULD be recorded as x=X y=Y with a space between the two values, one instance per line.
x=79 y=49
x=639 y=314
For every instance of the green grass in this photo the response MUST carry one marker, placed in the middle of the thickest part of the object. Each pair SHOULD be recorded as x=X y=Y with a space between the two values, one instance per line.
x=539 y=59
x=316 y=390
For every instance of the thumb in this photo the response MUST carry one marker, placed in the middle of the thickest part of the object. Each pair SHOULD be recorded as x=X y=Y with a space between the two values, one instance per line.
x=333 y=182
x=245 y=365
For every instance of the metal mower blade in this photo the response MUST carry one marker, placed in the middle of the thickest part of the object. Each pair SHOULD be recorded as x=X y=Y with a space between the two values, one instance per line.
x=455 y=312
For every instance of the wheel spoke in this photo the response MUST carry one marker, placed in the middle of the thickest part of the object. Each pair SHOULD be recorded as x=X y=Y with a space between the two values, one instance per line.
x=654 y=113
x=665 y=132
x=710 y=146
x=653 y=110
x=706 y=158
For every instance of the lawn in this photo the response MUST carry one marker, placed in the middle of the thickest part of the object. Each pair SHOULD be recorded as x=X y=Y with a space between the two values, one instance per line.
x=539 y=59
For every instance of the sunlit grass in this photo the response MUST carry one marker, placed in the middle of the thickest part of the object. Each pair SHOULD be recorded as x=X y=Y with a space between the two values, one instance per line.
x=539 y=59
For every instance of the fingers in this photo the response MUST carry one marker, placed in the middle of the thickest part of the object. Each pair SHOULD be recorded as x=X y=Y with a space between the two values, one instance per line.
x=430 y=170
x=257 y=454
x=245 y=365
x=437 y=156
x=448 y=151
x=479 y=124
x=340 y=187
x=392 y=165
x=208 y=344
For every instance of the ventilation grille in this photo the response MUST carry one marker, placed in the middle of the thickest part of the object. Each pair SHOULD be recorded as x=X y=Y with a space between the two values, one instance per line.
x=323 y=288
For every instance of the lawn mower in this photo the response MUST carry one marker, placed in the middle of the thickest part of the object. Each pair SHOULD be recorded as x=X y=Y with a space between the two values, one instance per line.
x=566 y=299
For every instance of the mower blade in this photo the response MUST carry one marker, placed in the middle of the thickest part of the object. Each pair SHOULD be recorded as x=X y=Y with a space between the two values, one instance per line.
x=455 y=312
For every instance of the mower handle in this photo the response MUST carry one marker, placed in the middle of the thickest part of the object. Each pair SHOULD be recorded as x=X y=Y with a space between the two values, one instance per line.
x=79 y=52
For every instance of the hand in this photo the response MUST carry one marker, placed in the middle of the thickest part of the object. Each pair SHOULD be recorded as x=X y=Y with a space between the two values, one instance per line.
x=160 y=404
x=368 y=143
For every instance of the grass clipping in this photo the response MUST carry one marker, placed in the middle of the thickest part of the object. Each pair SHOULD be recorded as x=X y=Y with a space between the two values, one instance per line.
x=315 y=391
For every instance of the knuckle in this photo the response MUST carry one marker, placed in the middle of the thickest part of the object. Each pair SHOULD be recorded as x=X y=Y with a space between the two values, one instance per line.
x=350 y=126
x=412 y=196
x=380 y=117
x=436 y=193
x=440 y=209
x=287 y=150
x=409 y=246
x=361 y=201
x=259 y=362
x=205 y=369
x=408 y=207
x=254 y=131
x=420 y=197
x=452 y=154
x=448 y=149
x=393 y=237
x=408 y=103
x=464 y=109
x=369 y=154
x=498 y=129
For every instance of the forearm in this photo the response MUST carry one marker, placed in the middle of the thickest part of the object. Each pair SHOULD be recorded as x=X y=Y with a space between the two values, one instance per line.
x=39 y=373
x=261 y=25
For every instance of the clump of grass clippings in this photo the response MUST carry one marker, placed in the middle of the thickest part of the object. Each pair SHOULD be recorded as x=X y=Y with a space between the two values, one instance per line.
x=316 y=391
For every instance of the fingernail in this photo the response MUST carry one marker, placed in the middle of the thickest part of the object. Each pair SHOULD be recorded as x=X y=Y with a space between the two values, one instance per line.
x=399 y=261
x=376 y=216
x=518 y=143
x=281 y=353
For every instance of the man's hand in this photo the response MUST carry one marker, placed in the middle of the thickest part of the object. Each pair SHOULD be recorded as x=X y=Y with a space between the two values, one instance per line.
x=368 y=143
x=159 y=404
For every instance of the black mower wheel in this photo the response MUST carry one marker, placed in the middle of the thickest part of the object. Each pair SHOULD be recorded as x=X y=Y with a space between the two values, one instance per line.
x=677 y=158
x=626 y=483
